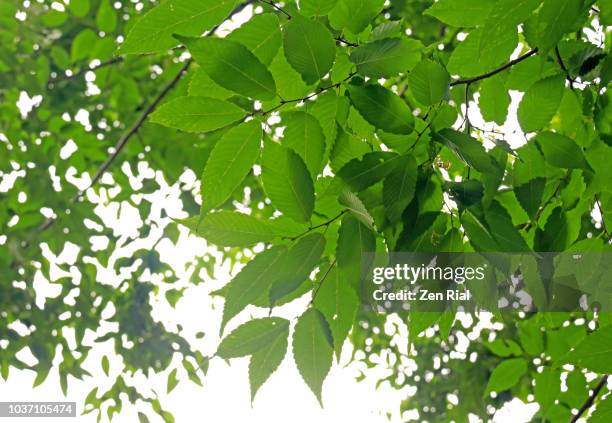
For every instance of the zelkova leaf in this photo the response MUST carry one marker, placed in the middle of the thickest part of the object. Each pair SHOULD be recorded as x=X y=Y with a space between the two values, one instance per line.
x=503 y=230
x=387 y=57
x=232 y=66
x=230 y=160
x=399 y=187
x=287 y=182
x=540 y=103
x=231 y=229
x=547 y=388
x=154 y=30
x=197 y=114
x=252 y=336
x=556 y=18
x=316 y=7
x=529 y=195
x=506 y=375
x=429 y=82
x=355 y=240
x=254 y=278
x=356 y=207
x=494 y=100
x=468 y=149
x=361 y=173
x=382 y=108
x=261 y=35
x=265 y=361
x=593 y=352
x=338 y=302
x=309 y=48
x=461 y=13
x=561 y=151
x=305 y=136
x=355 y=15
x=299 y=261
x=313 y=349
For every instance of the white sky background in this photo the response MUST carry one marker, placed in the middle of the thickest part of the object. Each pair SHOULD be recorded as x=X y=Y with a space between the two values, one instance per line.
x=226 y=396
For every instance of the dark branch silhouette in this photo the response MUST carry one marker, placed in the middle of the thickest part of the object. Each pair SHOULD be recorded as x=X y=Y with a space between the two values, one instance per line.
x=591 y=399
x=496 y=71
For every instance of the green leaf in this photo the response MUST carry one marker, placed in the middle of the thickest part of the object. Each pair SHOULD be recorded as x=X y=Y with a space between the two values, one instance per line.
x=529 y=195
x=298 y=263
x=338 y=302
x=429 y=82
x=254 y=278
x=467 y=149
x=556 y=18
x=355 y=206
x=593 y=352
x=105 y=365
x=265 y=361
x=555 y=236
x=346 y=148
x=503 y=230
x=231 y=229
x=540 y=103
x=461 y=13
x=201 y=85
x=399 y=188
x=106 y=18
x=388 y=57
x=287 y=182
x=382 y=108
x=252 y=337
x=230 y=161
x=142 y=418
x=261 y=35
x=154 y=31
x=171 y=382
x=603 y=412
x=481 y=53
x=547 y=389
x=354 y=241
x=309 y=48
x=196 y=114
x=561 y=151
x=81 y=45
x=355 y=15
x=313 y=349
x=506 y=375
x=79 y=7
x=361 y=173
x=305 y=136
x=465 y=193
x=316 y=7
x=232 y=65
x=494 y=100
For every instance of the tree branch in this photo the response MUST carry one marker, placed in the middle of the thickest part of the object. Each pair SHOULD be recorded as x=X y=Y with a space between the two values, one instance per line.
x=280 y=9
x=64 y=77
x=346 y=42
x=591 y=399
x=564 y=68
x=496 y=71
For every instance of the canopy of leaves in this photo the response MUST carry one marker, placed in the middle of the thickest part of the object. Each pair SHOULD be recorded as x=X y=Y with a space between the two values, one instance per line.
x=322 y=130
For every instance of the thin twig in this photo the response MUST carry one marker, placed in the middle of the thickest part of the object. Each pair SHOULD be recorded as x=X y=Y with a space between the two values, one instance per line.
x=496 y=71
x=591 y=399
x=346 y=42
x=564 y=68
x=316 y=291
x=280 y=9
x=64 y=77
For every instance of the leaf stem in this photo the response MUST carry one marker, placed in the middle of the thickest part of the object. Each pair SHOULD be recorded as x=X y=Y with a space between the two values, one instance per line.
x=326 y=223
x=275 y=6
x=564 y=68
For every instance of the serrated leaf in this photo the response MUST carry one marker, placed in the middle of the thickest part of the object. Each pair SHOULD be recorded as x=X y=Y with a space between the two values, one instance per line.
x=529 y=195
x=507 y=236
x=461 y=13
x=603 y=412
x=346 y=148
x=313 y=349
x=230 y=229
x=154 y=30
x=556 y=18
x=287 y=182
x=561 y=151
x=230 y=161
x=338 y=302
x=429 y=82
x=468 y=149
x=305 y=136
x=494 y=100
x=201 y=85
x=309 y=48
x=197 y=114
x=298 y=263
x=316 y=7
x=254 y=278
x=361 y=173
x=261 y=35
x=388 y=57
x=593 y=352
x=231 y=65
x=355 y=15
x=506 y=375
x=356 y=207
x=252 y=336
x=465 y=193
x=265 y=361
x=399 y=188
x=540 y=103
x=382 y=108
x=355 y=241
